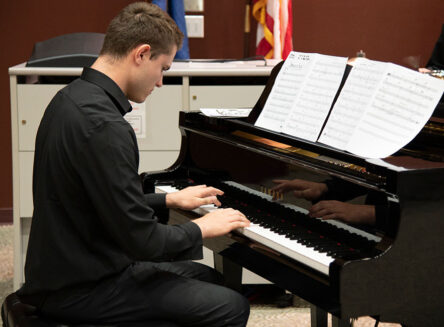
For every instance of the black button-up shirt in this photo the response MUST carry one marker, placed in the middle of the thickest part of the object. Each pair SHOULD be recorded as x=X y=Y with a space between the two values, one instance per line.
x=91 y=218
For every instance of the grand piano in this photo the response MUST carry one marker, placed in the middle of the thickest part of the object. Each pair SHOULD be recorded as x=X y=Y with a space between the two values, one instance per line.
x=392 y=272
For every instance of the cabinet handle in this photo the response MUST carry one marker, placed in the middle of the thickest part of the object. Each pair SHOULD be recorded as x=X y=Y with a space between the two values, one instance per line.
x=23 y=122
x=194 y=97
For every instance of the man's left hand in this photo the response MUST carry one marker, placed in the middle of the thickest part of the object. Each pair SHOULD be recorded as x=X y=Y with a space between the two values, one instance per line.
x=193 y=197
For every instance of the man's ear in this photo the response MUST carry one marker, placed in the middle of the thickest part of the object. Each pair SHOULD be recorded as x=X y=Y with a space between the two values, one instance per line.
x=142 y=52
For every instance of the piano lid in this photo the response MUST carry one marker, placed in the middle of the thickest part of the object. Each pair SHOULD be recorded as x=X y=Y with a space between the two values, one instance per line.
x=380 y=174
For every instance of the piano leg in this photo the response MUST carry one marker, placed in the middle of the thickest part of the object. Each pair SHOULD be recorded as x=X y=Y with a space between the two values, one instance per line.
x=337 y=322
x=230 y=270
x=318 y=316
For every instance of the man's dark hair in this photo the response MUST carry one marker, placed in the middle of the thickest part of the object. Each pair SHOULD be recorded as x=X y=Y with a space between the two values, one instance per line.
x=141 y=23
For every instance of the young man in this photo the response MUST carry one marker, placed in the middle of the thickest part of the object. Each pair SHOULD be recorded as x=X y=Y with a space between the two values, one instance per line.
x=96 y=252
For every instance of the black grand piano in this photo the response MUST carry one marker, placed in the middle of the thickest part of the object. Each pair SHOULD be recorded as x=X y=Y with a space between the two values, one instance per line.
x=393 y=271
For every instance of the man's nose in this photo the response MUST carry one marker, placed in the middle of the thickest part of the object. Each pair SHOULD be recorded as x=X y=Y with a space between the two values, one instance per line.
x=159 y=82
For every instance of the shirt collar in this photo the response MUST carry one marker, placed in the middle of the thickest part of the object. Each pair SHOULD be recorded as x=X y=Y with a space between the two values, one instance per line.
x=109 y=86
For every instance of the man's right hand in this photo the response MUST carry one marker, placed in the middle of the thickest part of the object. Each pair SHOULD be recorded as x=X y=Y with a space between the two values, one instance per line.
x=307 y=190
x=220 y=222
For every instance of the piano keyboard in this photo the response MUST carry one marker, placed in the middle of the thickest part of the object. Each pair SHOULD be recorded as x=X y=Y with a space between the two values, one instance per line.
x=288 y=229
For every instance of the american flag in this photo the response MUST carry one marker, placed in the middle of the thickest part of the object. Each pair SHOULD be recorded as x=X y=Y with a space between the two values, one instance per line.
x=274 y=31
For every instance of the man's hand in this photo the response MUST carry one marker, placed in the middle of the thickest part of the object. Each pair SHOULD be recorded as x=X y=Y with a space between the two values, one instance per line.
x=301 y=189
x=220 y=222
x=193 y=197
x=347 y=212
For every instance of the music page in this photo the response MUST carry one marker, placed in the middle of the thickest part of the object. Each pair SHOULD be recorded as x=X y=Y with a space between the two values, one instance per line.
x=285 y=89
x=313 y=102
x=400 y=104
x=350 y=106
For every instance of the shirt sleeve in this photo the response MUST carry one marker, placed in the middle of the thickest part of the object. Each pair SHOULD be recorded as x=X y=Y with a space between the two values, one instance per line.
x=107 y=165
x=156 y=200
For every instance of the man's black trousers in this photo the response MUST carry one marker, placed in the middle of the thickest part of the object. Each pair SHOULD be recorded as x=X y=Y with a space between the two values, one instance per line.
x=186 y=293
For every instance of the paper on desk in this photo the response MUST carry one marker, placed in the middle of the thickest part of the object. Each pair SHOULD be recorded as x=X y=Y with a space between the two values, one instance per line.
x=285 y=90
x=382 y=110
x=350 y=107
x=311 y=107
x=302 y=94
x=226 y=112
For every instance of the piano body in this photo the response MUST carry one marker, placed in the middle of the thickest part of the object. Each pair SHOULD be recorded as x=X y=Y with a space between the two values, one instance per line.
x=393 y=272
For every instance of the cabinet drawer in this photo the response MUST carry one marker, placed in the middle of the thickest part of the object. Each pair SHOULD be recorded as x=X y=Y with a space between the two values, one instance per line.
x=229 y=96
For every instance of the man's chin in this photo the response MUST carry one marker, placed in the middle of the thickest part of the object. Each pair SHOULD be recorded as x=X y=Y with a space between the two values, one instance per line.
x=138 y=99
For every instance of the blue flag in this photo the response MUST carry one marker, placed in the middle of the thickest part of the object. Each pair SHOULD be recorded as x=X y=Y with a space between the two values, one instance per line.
x=177 y=11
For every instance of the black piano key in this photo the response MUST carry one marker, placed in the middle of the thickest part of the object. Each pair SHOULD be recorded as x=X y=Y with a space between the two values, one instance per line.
x=321 y=236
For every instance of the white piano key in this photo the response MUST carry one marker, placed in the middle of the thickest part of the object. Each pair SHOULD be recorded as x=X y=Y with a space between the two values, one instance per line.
x=291 y=248
x=165 y=189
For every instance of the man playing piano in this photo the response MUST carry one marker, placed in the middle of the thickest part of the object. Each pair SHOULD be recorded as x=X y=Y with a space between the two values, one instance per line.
x=97 y=253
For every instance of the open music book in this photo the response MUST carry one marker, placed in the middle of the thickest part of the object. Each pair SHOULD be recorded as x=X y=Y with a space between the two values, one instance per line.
x=380 y=108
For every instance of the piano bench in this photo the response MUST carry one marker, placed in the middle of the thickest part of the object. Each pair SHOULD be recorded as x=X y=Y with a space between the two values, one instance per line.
x=17 y=314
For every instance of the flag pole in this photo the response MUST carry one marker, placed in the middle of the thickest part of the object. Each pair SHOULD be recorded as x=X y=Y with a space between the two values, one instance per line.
x=247 y=29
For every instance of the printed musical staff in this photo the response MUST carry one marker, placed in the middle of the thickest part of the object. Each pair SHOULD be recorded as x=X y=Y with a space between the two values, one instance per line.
x=302 y=95
x=381 y=108
x=350 y=105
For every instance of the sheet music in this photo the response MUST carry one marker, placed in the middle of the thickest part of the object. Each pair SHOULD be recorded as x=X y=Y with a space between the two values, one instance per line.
x=311 y=106
x=351 y=104
x=379 y=120
x=285 y=89
x=402 y=105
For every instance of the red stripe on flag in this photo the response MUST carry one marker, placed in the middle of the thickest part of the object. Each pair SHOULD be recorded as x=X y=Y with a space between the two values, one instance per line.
x=288 y=38
x=263 y=48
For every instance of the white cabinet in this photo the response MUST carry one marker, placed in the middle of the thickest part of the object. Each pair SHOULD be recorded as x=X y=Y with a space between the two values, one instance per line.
x=162 y=119
x=220 y=96
x=31 y=102
x=159 y=148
